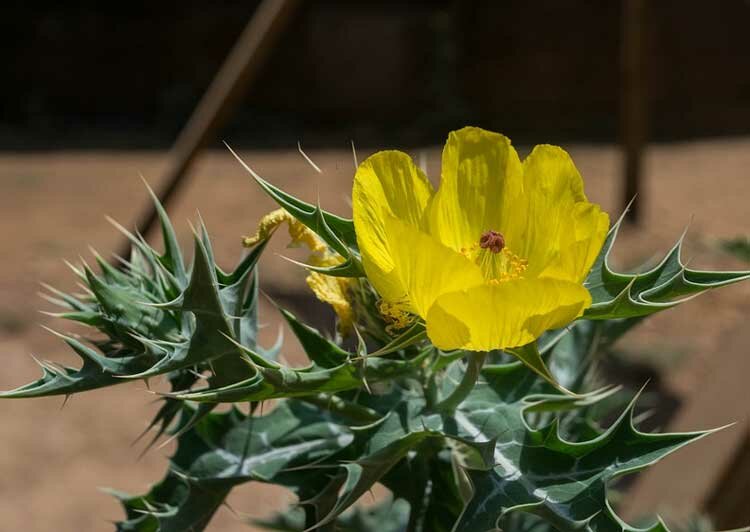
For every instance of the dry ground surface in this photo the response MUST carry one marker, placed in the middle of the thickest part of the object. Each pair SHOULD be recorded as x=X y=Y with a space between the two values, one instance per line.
x=52 y=207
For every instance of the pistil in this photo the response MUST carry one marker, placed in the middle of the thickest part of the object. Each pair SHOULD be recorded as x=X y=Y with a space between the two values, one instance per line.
x=492 y=240
x=497 y=262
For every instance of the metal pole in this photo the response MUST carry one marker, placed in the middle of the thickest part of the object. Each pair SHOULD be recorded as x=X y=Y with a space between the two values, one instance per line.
x=633 y=117
x=232 y=81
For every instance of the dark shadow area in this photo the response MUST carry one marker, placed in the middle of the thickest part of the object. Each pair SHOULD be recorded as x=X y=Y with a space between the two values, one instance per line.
x=92 y=75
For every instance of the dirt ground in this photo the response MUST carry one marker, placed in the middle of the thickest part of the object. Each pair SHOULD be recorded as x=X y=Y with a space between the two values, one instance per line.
x=52 y=207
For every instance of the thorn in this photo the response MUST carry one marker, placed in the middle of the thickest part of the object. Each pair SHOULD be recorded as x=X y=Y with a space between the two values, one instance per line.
x=148 y=187
x=65 y=401
x=271 y=300
x=244 y=165
x=315 y=166
x=51 y=314
x=73 y=267
x=367 y=386
x=169 y=440
x=229 y=507
x=295 y=262
x=354 y=155
x=150 y=444
x=39 y=362
x=94 y=252
x=197 y=375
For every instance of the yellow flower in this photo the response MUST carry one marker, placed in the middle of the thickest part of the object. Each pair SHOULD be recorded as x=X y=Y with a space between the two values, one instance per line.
x=332 y=290
x=493 y=258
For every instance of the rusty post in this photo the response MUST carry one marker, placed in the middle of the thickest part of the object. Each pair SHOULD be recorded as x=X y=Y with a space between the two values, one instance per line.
x=633 y=114
x=232 y=81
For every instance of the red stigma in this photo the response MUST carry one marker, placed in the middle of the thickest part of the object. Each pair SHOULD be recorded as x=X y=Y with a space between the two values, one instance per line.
x=493 y=241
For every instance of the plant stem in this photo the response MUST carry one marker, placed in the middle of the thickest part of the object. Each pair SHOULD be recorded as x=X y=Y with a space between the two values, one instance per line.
x=474 y=363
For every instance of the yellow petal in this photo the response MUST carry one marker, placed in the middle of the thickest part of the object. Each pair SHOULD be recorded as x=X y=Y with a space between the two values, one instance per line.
x=387 y=184
x=480 y=184
x=555 y=226
x=504 y=315
x=335 y=292
x=576 y=258
x=425 y=267
x=298 y=232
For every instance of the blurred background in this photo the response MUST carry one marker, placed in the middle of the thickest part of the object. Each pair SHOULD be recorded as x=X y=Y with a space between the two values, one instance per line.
x=650 y=98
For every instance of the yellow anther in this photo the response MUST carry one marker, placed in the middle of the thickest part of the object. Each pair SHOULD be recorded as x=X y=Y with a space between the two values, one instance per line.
x=497 y=262
x=396 y=315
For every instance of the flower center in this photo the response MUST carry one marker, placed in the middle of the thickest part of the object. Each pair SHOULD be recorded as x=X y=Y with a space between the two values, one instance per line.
x=492 y=240
x=496 y=261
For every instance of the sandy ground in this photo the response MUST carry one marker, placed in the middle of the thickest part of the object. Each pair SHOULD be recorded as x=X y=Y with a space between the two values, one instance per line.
x=52 y=207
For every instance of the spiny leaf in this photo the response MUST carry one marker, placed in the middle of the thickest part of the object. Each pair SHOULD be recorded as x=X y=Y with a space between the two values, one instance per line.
x=361 y=475
x=530 y=356
x=208 y=339
x=619 y=295
x=323 y=352
x=537 y=471
x=281 y=381
x=386 y=443
x=335 y=231
x=428 y=481
x=96 y=372
x=172 y=256
x=227 y=449
x=386 y=516
x=153 y=330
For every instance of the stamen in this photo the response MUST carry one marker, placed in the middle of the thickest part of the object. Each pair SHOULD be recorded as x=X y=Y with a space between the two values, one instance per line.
x=498 y=263
x=396 y=315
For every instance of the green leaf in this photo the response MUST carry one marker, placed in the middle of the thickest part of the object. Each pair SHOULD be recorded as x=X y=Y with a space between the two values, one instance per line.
x=621 y=295
x=320 y=350
x=427 y=480
x=97 y=371
x=413 y=335
x=172 y=256
x=407 y=427
x=157 y=319
x=385 y=516
x=333 y=369
x=282 y=381
x=223 y=450
x=335 y=231
x=536 y=470
x=572 y=351
x=530 y=356
x=361 y=475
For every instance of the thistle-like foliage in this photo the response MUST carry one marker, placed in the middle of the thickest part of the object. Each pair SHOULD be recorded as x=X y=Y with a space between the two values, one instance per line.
x=669 y=283
x=460 y=446
x=155 y=317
